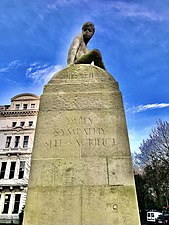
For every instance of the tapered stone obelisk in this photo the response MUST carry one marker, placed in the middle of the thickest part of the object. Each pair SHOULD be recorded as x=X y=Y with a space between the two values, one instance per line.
x=81 y=172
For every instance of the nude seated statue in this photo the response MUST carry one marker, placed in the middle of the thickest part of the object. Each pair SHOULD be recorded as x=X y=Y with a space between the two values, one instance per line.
x=79 y=53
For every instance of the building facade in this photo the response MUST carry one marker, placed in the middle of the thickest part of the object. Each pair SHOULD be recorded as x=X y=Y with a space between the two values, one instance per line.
x=17 y=129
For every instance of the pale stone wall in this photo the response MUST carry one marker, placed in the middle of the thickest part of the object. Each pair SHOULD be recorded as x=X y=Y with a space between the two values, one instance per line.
x=25 y=120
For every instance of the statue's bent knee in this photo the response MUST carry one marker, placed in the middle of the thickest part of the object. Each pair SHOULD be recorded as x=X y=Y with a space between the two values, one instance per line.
x=97 y=53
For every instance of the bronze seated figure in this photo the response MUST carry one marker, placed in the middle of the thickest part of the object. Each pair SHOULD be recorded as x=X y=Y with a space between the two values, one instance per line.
x=79 y=53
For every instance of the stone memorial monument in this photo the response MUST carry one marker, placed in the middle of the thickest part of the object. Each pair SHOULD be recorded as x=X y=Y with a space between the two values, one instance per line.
x=81 y=172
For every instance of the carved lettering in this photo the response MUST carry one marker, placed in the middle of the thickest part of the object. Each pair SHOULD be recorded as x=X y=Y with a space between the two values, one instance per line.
x=86 y=121
x=91 y=75
x=58 y=143
x=70 y=142
x=79 y=142
x=72 y=76
x=59 y=132
x=73 y=131
x=88 y=74
x=79 y=121
x=71 y=121
x=78 y=131
x=49 y=144
x=107 y=142
x=93 y=131
x=54 y=143
x=104 y=142
x=91 y=142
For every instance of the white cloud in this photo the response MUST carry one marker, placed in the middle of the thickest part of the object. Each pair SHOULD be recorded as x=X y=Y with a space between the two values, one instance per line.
x=126 y=9
x=12 y=65
x=141 y=108
x=42 y=73
x=55 y=5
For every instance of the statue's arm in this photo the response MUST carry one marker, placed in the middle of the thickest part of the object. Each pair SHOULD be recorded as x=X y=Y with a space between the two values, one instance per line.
x=74 y=49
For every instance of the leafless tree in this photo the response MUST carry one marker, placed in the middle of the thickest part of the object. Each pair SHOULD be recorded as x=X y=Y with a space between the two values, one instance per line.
x=153 y=159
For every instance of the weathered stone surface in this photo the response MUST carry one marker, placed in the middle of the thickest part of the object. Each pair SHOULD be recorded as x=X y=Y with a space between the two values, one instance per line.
x=69 y=172
x=76 y=134
x=109 y=205
x=81 y=169
x=82 y=205
x=50 y=206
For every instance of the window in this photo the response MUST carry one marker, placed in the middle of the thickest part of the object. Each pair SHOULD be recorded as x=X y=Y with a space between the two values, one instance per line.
x=22 y=124
x=30 y=123
x=13 y=124
x=25 y=106
x=12 y=170
x=8 y=141
x=3 y=168
x=6 y=203
x=21 y=169
x=25 y=141
x=17 y=138
x=16 y=204
x=17 y=106
x=32 y=106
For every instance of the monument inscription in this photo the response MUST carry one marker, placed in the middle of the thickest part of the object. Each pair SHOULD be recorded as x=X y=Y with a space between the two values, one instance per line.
x=72 y=131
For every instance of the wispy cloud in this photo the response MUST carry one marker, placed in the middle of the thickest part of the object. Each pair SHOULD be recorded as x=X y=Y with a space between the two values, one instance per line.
x=124 y=8
x=141 y=108
x=128 y=9
x=8 y=80
x=55 y=5
x=42 y=73
x=10 y=66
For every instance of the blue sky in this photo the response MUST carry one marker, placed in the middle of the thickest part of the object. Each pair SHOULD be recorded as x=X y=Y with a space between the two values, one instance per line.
x=132 y=35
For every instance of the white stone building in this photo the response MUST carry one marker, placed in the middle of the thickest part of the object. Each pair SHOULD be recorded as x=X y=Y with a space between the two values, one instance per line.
x=17 y=128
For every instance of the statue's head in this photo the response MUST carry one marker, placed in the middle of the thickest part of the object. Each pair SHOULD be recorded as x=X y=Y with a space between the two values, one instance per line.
x=88 y=30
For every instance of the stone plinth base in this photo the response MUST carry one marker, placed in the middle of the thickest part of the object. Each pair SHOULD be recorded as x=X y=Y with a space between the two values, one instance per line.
x=81 y=171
